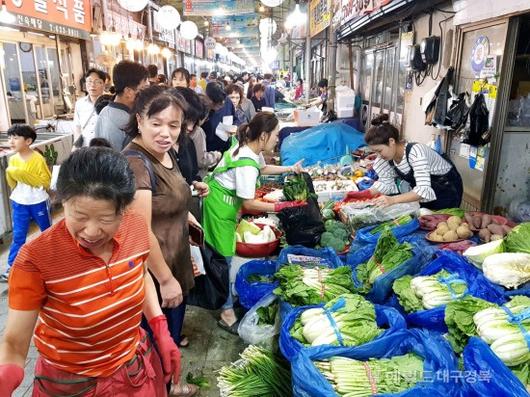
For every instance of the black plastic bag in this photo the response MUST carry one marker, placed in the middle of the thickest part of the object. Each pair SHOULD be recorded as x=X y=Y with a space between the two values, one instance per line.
x=478 y=122
x=211 y=290
x=302 y=225
x=458 y=112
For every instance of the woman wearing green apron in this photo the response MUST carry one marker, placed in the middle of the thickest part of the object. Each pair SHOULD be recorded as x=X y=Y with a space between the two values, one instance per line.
x=233 y=185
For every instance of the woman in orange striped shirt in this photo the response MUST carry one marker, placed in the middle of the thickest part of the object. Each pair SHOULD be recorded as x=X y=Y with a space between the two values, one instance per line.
x=84 y=284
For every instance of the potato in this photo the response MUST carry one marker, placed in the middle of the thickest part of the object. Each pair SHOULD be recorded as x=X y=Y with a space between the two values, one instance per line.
x=436 y=237
x=485 y=235
x=442 y=228
x=463 y=232
x=454 y=220
x=496 y=229
x=496 y=237
x=450 y=236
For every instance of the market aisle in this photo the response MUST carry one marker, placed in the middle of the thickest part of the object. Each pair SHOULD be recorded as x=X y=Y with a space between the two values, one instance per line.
x=210 y=347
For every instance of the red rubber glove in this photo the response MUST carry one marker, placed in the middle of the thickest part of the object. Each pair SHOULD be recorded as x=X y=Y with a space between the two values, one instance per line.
x=168 y=350
x=11 y=376
x=288 y=204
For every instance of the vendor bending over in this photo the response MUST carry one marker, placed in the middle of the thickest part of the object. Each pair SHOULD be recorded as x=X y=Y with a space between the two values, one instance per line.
x=233 y=185
x=85 y=281
x=434 y=179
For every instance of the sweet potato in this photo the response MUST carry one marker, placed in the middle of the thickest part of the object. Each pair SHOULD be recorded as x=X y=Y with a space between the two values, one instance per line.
x=507 y=229
x=496 y=229
x=469 y=218
x=477 y=221
x=486 y=220
x=485 y=235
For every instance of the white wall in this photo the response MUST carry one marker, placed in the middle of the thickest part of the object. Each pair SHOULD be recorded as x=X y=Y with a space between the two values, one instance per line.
x=414 y=128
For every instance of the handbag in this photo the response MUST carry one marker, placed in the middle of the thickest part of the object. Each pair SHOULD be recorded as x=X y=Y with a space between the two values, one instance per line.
x=211 y=289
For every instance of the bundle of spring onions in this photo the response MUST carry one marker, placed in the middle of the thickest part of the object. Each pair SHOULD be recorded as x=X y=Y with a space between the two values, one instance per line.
x=402 y=220
x=503 y=328
x=428 y=292
x=257 y=373
x=388 y=254
x=353 y=318
x=301 y=286
x=353 y=378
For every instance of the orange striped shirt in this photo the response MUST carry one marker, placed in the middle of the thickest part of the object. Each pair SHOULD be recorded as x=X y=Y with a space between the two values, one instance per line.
x=89 y=312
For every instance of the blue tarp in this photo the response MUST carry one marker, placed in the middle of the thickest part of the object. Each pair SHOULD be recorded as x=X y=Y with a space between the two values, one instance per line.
x=326 y=143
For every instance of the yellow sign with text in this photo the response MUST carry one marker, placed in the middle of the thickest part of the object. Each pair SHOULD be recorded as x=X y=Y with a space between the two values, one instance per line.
x=320 y=16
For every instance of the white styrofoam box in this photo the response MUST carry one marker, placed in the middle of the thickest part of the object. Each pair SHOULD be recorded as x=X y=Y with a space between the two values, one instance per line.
x=307 y=117
x=329 y=194
x=345 y=98
x=344 y=112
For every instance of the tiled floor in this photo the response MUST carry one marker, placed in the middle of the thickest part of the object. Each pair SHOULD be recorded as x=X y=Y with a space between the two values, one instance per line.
x=210 y=347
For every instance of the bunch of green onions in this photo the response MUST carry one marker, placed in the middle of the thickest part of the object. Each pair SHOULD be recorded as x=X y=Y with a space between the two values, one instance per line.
x=354 y=378
x=257 y=373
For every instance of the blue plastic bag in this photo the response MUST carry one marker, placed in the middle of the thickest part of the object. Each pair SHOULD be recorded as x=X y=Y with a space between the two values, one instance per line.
x=522 y=290
x=364 y=235
x=251 y=292
x=324 y=143
x=478 y=286
x=294 y=254
x=494 y=377
x=326 y=256
x=382 y=287
x=386 y=317
x=439 y=362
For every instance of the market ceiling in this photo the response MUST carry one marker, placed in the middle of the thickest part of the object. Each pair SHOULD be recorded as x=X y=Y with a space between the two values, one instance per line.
x=243 y=26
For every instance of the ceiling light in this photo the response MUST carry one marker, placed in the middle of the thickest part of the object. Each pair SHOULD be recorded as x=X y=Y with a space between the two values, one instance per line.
x=168 y=17
x=189 y=30
x=133 y=5
x=6 y=16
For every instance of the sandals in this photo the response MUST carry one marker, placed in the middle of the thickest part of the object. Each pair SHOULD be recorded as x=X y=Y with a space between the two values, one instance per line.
x=228 y=328
x=183 y=390
x=184 y=342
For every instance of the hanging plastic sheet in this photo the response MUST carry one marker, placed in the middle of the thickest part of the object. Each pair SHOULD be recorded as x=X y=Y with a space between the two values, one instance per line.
x=324 y=143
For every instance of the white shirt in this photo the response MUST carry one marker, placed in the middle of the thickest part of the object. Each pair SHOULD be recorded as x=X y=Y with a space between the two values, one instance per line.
x=85 y=117
x=424 y=162
x=28 y=195
x=242 y=179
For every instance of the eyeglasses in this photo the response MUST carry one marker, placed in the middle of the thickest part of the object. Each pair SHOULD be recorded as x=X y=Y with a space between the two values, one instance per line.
x=94 y=82
x=234 y=96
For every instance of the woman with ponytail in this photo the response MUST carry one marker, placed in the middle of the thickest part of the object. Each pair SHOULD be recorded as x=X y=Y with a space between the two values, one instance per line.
x=434 y=180
x=233 y=185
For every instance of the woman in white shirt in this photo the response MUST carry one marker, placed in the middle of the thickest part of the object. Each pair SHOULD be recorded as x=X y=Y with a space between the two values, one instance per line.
x=233 y=185
x=433 y=178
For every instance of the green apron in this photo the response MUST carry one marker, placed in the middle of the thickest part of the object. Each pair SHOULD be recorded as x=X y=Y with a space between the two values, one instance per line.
x=221 y=206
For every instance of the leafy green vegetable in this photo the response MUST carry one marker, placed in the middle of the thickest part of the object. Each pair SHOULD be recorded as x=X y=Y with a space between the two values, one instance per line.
x=354 y=317
x=352 y=378
x=403 y=220
x=518 y=240
x=459 y=320
x=259 y=372
x=260 y=278
x=267 y=314
x=199 y=380
x=310 y=286
x=406 y=296
x=478 y=254
x=296 y=189
x=451 y=211
x=388 y=255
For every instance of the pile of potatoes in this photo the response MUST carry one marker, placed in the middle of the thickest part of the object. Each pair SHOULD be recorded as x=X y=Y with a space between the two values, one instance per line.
x=452 y=230
x=489 y=227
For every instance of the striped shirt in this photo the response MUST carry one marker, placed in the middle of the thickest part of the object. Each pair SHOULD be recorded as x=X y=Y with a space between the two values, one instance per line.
x=89 y=311
x=424 y=162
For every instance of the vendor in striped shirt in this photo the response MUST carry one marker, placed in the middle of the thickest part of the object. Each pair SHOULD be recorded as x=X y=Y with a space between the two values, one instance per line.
x=80 y=290
x=433 y=179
